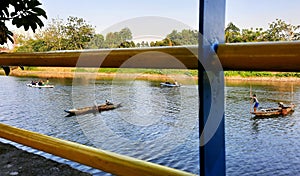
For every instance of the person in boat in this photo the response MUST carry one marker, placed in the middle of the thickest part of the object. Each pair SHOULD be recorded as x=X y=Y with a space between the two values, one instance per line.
x=41 y=83
x=107 y=102
x=281 y=105
x=176 y=83
x=33 y=82
x=255 y=101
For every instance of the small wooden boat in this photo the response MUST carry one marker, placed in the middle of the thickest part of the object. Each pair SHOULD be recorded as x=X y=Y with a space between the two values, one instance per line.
x=168 y=84
x=40 y=86
x=273 y=112
x=92 y=109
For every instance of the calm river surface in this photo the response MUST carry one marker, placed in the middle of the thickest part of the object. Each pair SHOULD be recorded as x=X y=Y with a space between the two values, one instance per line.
x=158 y=124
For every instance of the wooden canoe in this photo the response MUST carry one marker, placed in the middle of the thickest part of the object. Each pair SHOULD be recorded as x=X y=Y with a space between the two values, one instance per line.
x=92 y=109
x=271 y=112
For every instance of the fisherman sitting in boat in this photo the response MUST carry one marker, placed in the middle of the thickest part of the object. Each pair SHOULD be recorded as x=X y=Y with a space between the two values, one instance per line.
x=41 y=82
x=281 y=105
x=176 y=83
x=107 y=102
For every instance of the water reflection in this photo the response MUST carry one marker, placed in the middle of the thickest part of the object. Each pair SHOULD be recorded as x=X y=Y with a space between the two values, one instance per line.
x=161 y=124
x=154 y=124
x=266 y=146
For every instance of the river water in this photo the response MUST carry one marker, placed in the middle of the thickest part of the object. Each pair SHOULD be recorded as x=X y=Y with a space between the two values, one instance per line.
x=157 y=124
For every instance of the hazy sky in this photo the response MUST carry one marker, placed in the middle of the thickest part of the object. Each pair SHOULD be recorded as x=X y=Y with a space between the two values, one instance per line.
x=259 y=13
x=103 y=14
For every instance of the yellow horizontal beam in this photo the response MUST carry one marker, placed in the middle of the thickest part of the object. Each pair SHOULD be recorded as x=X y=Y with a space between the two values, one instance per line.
x=264 y=56
x=154 y=57
x=96 y=158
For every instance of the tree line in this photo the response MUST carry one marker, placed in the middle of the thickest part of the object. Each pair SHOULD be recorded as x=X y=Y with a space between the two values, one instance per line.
x=278 y=30
x=77 y=34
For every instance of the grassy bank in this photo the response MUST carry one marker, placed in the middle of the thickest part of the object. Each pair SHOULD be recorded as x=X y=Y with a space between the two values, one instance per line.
x=247 y=74
x=184 y=76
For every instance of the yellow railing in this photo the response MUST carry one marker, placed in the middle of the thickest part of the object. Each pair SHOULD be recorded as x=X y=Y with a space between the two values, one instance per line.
x=100 y=159
x=271 y=56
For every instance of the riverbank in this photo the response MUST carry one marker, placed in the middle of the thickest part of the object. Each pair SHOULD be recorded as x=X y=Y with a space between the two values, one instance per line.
x=14 y=161
x=261 y=79
x=68 y=73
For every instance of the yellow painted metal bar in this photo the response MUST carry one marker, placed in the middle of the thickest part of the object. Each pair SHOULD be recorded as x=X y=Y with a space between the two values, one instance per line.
x=112 y=58
x=104 y=160
x=263 y=56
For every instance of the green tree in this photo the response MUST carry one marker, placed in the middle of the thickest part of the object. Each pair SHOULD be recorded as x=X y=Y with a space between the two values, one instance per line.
x=54 y=36
x=78 y=33
x=58 y=35
x=185 y=37
x=127 y=44
x=279 y=30
x=232 y=33
x=112 y=40
x=22 y=13
x=115 y=39
x=96 y=42
x=125 y=34
x=250 y=35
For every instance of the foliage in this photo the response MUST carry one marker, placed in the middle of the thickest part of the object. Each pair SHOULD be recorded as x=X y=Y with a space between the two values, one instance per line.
x=175 y=38
x=127 y=44
x=73 y=35
x=232 y=33
x=115 y=39
x=96 y=42
x=77 y=33
x=185 y=37
x=281 y=31
x=25 y=13
x=278 y=30
x=53 y=36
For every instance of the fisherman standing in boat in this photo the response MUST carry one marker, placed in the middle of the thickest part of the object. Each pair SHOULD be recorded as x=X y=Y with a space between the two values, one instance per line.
x=255 y=101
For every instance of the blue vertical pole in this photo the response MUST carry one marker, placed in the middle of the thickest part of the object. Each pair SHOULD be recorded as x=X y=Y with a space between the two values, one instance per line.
x=212 y=147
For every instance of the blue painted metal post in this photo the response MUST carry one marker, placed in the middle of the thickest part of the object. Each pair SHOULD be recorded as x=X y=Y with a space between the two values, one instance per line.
x=211 y=88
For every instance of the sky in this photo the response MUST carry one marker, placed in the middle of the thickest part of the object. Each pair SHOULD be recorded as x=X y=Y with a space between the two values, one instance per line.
x=104 y=14
x=260 y=13
x=113 y=15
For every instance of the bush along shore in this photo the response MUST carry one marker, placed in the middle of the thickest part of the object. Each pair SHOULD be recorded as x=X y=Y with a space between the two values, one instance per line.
x=183 y=76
